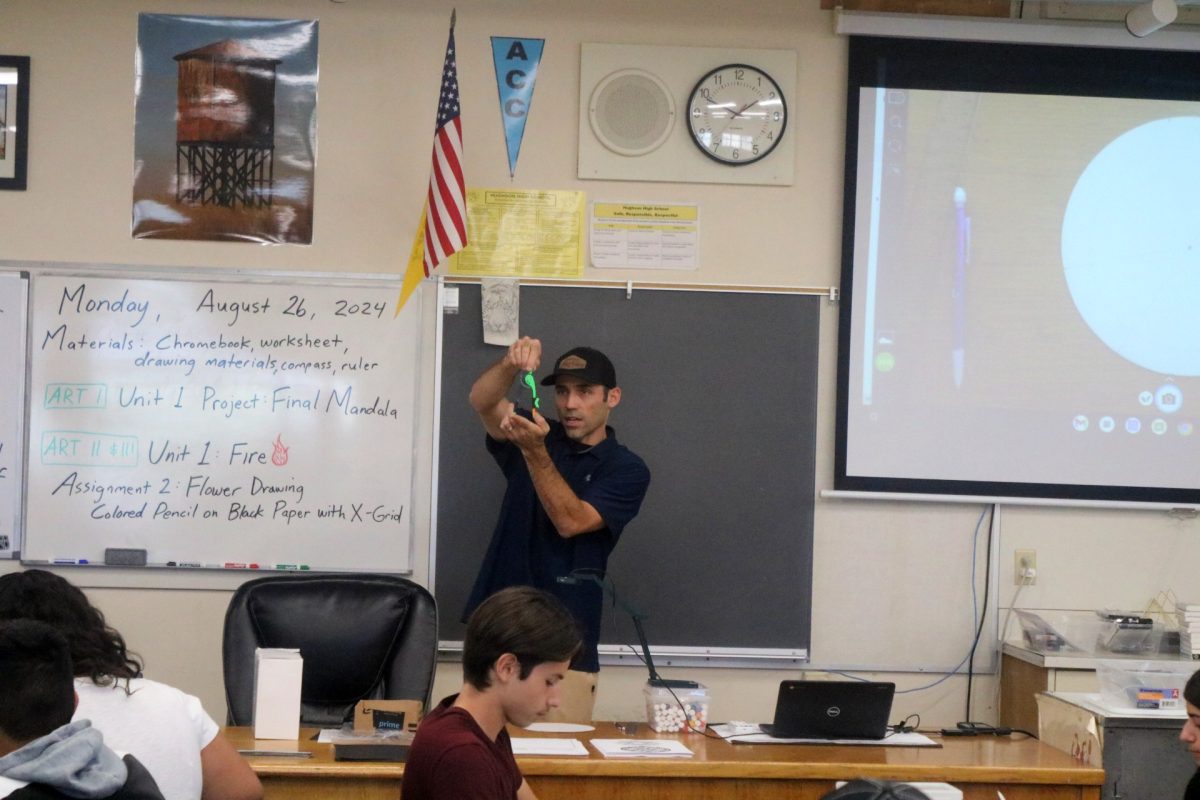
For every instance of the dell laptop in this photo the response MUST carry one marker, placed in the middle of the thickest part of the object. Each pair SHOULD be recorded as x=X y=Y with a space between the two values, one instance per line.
x=831 y=710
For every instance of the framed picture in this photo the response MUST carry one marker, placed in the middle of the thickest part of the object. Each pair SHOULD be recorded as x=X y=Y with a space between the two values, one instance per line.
x=14 y=121
x=225 y=129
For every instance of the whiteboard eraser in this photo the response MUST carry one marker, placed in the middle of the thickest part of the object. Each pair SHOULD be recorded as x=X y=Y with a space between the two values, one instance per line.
x=124 y=557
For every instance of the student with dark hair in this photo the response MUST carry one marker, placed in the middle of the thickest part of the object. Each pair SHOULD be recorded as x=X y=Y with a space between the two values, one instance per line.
x=518 y=646
x=1190 y=735
x=165 y=728
x=42 y=753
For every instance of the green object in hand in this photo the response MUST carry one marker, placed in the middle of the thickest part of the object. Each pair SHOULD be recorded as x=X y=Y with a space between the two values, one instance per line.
x=531 y=382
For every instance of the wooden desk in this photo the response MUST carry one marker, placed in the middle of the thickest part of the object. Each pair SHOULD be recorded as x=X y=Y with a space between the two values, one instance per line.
x=1023 y=769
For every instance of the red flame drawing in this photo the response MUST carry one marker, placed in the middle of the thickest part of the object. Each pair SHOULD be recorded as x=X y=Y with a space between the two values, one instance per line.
x=280 y=456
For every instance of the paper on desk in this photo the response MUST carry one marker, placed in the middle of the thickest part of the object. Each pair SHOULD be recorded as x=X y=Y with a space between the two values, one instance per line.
x=534 y=746
x=749 y=733
x=641 y=748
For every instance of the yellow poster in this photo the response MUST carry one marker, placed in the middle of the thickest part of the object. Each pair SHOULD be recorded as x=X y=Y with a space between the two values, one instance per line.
x=522 y=232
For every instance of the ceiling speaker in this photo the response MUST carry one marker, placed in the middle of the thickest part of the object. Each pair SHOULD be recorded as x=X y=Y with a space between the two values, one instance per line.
x=632 y=112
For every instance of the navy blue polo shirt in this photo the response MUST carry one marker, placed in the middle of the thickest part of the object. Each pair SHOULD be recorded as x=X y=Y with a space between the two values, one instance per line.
x=526 y=549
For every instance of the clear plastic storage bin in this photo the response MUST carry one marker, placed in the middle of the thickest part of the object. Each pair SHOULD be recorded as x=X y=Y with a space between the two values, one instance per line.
x=1143 y=684
x=684 y=710
x=1059 y=631
x=1127 y=638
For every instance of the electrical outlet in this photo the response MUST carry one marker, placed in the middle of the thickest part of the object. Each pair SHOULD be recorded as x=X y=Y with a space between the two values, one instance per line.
x=1023 y=561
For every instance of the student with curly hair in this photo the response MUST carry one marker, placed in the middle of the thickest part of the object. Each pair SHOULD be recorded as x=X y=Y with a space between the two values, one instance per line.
x=166 y=729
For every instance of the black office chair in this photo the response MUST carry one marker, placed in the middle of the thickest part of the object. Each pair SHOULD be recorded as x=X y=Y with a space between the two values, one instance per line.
x=361 y=637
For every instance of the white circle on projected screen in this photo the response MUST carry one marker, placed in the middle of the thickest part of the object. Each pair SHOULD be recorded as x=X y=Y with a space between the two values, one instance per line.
x=1168 y=398
x=1131 y=245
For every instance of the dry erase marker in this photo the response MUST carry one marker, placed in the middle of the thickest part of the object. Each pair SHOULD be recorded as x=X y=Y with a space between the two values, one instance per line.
x=234 y=565
x=70 y=561
x=193 y=564
x=300 y=567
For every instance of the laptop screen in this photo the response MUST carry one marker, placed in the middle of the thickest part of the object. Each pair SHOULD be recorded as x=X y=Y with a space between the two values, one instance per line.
x=832 y=710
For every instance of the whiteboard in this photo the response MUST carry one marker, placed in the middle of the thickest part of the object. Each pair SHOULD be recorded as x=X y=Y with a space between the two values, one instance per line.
x=220 y=422
x=14 y=289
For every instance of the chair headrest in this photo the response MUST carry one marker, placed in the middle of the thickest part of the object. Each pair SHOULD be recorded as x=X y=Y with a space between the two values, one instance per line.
x=345 y=632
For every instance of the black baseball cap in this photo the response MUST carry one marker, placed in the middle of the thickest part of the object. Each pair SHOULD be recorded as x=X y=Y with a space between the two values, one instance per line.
x=586 y=363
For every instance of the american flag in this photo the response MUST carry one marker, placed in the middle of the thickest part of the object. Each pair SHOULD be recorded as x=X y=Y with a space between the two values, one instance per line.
x=446 y=220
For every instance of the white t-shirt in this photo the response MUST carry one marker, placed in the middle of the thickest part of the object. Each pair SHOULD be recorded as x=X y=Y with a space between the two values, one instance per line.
x=159 y=725
x=8 y=786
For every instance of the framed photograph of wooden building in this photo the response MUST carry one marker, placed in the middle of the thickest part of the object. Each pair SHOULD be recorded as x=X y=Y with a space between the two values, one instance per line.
x=225 y=129
x=14 y=121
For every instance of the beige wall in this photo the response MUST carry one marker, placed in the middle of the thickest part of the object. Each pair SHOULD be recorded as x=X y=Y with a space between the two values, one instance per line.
x=892 y=580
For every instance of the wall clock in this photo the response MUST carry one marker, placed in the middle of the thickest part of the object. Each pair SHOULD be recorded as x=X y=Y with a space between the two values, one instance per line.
x=737 y=114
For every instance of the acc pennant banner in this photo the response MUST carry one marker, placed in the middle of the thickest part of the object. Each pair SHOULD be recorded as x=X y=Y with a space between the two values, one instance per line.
x=516 y=71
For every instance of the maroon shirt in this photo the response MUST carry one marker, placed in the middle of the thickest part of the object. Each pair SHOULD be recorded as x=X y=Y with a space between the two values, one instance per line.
x=453 y=759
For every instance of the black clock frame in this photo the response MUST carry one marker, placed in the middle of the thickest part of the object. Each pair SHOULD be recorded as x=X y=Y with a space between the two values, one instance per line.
x=705 y=150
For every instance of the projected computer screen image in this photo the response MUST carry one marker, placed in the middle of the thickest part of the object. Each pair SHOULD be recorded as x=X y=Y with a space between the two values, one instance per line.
x=1021 y=307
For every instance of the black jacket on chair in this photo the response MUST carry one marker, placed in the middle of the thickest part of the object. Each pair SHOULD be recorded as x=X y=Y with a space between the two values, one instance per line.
x=361 y=637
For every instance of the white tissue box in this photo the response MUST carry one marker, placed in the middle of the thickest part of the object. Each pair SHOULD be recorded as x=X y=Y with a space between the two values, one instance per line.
x=277 y=675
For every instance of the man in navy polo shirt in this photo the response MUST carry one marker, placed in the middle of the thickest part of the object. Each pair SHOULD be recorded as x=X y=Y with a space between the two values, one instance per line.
x=571 y=490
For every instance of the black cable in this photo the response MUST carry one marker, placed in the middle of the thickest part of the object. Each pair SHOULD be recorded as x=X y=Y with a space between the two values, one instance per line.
x=903 y=727
x=687 y=722
x=984 y=729
x=706 y=732
x=987 y=574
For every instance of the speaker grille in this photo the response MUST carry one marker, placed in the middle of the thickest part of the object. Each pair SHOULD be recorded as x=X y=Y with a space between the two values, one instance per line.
x=631 y=112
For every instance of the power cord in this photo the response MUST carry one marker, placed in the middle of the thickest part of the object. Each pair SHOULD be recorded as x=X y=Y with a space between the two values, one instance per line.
x=984 y=729
x=962 y=728
x=983 y=612
x=691 y=726
x=976 y=729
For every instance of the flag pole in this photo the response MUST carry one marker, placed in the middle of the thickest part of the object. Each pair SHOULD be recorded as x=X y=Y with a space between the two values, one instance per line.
x=442 y=231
